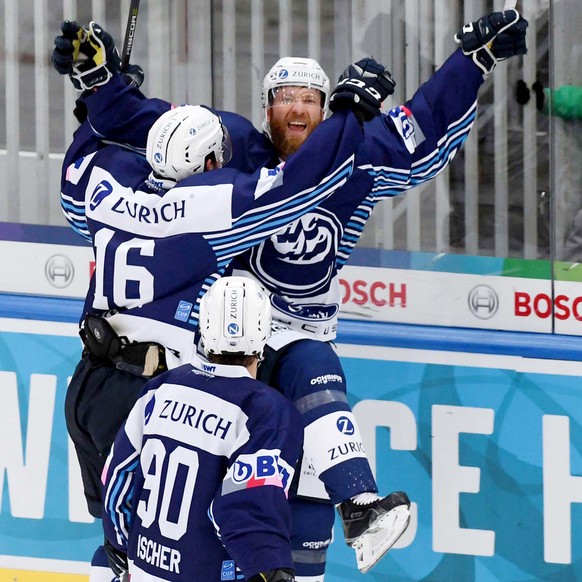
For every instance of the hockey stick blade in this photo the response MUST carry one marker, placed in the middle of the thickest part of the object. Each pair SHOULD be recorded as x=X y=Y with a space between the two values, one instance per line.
x=129 y=33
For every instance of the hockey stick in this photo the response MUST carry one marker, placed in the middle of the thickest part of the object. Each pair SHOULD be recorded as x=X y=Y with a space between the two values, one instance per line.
x=129 y=33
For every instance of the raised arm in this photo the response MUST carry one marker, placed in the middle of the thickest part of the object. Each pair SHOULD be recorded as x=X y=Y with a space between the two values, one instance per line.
x=414 y=142
x=117 y=111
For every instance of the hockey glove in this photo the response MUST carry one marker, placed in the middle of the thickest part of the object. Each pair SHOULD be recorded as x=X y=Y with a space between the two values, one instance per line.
x=116 y=559
x=67 y=45
x=133 y=75
x=492 y=38
x=281 y=575
x=511 y=42
x=70 y=49
x=362 y=87
x=97 y=60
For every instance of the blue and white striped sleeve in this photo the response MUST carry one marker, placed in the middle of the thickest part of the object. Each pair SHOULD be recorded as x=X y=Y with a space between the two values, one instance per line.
x=412 y=143
x=119 y=475
x=276 y=205
x=73 y=196
x=273 y=198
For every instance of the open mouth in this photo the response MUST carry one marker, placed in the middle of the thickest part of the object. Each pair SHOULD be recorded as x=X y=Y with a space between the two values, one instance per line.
x=296 y=126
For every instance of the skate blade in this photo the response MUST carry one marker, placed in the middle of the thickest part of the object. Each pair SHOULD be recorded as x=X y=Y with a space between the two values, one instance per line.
x=373 y=545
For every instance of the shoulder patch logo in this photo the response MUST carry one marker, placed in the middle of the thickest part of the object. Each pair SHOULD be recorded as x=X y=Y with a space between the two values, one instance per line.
x=407 y=127
x=102 y=190
x=228 y=570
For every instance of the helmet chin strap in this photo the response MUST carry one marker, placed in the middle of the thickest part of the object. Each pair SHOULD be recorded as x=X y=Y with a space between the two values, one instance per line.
x=266 y=125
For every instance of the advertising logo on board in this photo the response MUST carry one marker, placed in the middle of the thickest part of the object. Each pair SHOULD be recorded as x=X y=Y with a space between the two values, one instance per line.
x=59 y=271
x=483 y=301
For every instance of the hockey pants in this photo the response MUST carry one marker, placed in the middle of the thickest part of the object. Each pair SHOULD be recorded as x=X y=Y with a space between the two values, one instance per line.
x=97 y=403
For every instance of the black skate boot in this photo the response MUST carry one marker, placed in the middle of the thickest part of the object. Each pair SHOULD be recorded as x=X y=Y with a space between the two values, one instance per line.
x=372 y=529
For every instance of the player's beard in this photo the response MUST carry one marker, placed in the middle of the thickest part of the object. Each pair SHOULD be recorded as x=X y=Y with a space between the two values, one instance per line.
x=287 y=142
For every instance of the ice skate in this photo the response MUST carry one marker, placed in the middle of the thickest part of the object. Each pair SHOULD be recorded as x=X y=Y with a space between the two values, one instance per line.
x=372 y=529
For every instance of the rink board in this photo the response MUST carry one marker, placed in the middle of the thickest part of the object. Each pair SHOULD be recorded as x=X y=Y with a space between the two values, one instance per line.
x=487 y=445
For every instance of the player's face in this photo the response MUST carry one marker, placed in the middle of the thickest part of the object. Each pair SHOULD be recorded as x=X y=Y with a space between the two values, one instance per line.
x=294 y=113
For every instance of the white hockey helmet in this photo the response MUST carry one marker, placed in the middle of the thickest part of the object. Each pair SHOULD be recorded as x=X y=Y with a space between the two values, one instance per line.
x=235 y=317
x=299 y=72
x=182 y=138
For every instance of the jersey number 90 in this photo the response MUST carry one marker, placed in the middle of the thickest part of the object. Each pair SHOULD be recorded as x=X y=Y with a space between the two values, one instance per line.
x=172 y=500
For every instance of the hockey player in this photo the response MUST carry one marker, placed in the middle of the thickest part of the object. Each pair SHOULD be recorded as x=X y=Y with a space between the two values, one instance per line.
x=300 y=265
x=164 y=228
x=196 y=483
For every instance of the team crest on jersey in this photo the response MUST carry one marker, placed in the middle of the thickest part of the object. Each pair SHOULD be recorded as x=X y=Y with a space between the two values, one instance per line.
x=311 y=312
x=310 y=242
x=407 y=127
x=149 y=409
x=102 y=190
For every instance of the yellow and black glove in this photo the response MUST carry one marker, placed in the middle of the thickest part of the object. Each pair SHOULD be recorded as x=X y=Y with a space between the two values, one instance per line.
x=97 y=59
x=89 y=57
x=67 y=46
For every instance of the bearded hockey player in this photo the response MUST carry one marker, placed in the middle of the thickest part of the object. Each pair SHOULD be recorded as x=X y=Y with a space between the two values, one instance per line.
x=302 y=274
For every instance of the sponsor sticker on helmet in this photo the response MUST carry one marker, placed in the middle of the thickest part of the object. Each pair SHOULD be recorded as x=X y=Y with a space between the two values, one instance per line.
x=233 y=329
x=233 y=311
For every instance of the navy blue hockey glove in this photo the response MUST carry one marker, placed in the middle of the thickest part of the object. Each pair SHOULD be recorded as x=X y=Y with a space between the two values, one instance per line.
x=281 y=575
x=97 y=60
x=71 y=56
x=116 y=559
x=67 y=47
x=362 y=87
x=511 y=42
x=492 y=38
x=133 y=75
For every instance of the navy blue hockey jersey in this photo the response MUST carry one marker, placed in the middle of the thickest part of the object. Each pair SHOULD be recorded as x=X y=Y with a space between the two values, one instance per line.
x=195 y=486
x=403 y=148
x=156 y=251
